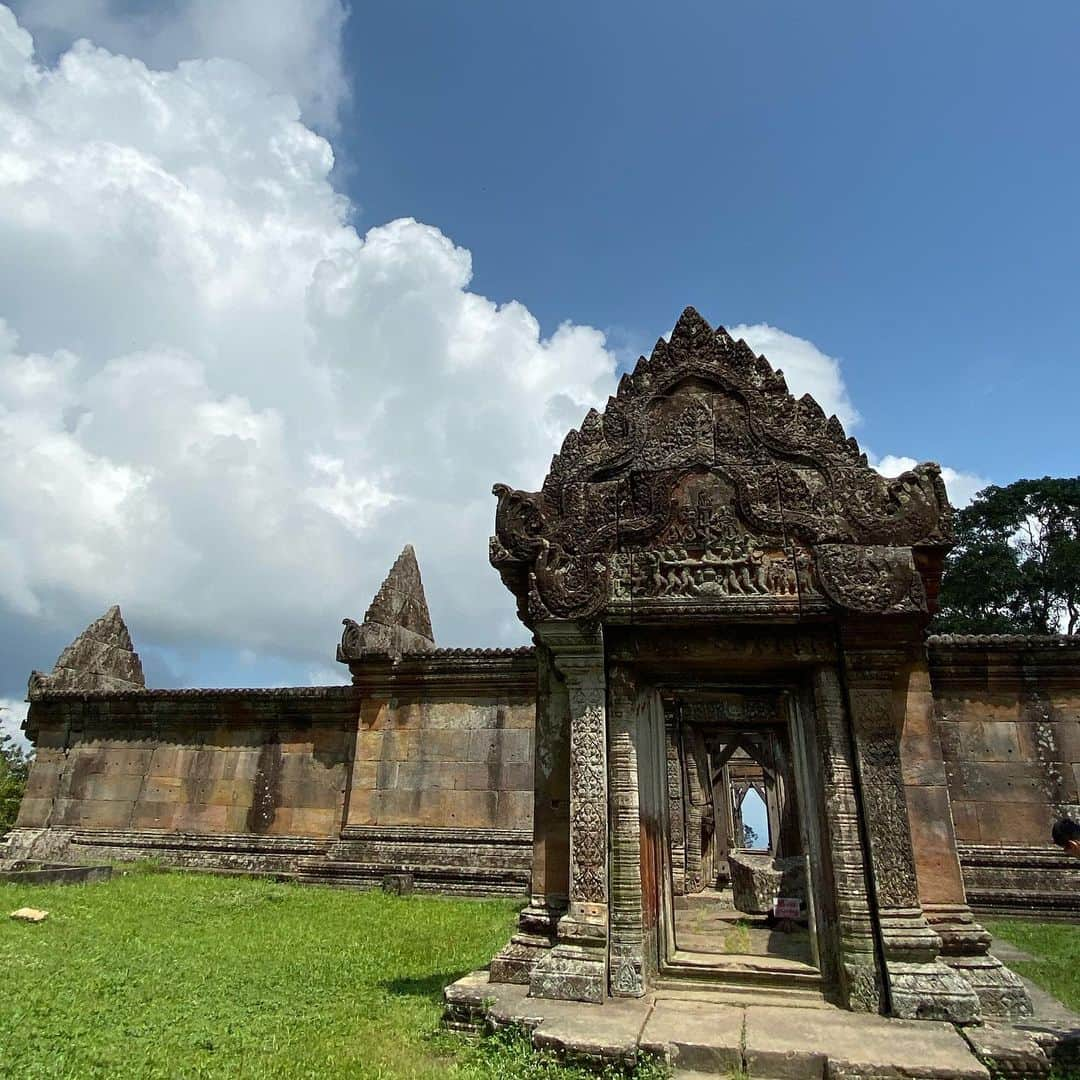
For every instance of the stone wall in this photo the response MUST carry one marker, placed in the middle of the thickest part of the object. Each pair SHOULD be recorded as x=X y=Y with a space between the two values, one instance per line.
x=265 y=762
x=464 y=761
x=1008 y=717
x=424 y=767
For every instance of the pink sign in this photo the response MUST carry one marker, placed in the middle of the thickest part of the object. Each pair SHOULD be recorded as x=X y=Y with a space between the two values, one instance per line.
x=787 y=907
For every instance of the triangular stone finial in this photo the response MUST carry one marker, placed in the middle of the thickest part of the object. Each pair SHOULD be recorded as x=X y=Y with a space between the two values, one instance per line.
x=397 y=621
x=692 y=324
x=102 y=657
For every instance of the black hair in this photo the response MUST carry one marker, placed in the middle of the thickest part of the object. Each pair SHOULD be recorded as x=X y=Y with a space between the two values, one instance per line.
x=1065 y=830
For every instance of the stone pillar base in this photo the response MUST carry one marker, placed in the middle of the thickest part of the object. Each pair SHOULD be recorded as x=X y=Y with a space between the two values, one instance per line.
x=576 y=968
x=570 y=973
x=930 y=992
x=1001 y=992
x=534 y=939
x=861 y=983
x=964 y=945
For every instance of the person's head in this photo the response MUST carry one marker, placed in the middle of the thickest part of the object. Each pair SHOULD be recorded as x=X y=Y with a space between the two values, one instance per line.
x=1066 y=834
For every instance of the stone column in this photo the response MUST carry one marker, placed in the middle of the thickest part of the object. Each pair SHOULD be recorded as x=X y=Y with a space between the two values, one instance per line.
x=627 y=928
x=676 y=808
x=576 y=968
x=964 y=943
x=877 y=667
x=537 y=922
x=859 y=974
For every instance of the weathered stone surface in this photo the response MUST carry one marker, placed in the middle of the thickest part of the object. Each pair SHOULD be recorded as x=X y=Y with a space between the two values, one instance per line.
x=1009 y=1053
x=802 y=1044
x=397 y=621
x=29 y=914
x=102 y=657
x=703 y=1036
x=1008 y=712
x=695 y=1035
x=757 y=880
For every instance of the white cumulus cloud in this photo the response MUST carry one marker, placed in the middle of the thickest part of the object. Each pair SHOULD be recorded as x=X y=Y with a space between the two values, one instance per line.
x=220 y=405
x=807 y=370
x=12 y=714
x=295 y=45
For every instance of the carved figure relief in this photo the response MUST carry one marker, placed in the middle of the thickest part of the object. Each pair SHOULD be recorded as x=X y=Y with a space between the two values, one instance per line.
x=705 y=486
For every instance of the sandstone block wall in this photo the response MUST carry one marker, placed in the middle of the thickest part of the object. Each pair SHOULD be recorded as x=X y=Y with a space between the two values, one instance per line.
x=464 y=763
x=427 y=764
x=1008 y=716
x=272 y=763
x=423 y=767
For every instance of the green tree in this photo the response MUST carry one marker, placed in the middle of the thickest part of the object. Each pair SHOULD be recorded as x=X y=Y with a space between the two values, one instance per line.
x=14 y=770
x=1016 y=564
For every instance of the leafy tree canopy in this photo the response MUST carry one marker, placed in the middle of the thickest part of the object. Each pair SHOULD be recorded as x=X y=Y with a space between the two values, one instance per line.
x=14 y=770
x=1016 y=565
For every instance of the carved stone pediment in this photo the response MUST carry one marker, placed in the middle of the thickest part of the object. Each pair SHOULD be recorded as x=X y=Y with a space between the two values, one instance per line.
x=706 y=488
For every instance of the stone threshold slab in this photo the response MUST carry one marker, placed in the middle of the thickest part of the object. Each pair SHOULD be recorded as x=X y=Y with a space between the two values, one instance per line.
x=769 y=1042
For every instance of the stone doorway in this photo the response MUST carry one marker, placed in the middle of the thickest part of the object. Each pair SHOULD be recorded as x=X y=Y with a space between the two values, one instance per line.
x=708 y=525
x=741 y=893
x=736 y=913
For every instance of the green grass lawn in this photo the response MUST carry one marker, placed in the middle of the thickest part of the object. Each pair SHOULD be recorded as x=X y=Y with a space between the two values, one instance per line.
x=191 y=975
x=1056 y=951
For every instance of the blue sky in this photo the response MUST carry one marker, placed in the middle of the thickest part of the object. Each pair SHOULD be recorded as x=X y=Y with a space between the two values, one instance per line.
x=895 y=182
x=238 y=378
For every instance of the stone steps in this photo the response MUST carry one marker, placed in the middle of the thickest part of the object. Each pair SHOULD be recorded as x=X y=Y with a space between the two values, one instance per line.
x=764 y=993
x=699 y=1038
x=453 y=880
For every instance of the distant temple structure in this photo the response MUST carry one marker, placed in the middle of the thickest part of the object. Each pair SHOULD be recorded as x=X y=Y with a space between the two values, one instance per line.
x=728 y=604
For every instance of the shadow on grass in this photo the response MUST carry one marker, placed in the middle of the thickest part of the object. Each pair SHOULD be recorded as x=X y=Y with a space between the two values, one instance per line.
x=424 y=986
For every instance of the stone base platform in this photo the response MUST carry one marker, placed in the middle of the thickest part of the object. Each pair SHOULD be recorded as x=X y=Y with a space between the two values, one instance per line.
x=698 y=1033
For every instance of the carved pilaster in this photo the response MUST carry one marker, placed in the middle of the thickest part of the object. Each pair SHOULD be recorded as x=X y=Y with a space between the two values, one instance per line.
x=536 y=931
x=576 y=968
x=627 y=959
x=695 y=801
x=676 y=810
x=919 y=986
x=861 y=983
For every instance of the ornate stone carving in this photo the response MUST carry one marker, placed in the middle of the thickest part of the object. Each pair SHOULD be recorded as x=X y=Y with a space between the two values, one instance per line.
x=886 y=814
x=861 y=977
x=875 y=580
x=588 y=822
x=704 y=486
x=101 y=658
x=396 y=621
x=576 y=968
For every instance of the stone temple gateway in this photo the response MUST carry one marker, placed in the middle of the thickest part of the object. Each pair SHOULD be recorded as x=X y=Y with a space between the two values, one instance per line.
x=729 y=607
x=711 y=560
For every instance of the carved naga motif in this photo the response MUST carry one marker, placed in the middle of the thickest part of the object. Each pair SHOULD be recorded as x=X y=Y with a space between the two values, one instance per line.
x=706 y=487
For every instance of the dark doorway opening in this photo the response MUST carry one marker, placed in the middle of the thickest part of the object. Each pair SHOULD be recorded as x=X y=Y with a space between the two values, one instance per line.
x=740 y=878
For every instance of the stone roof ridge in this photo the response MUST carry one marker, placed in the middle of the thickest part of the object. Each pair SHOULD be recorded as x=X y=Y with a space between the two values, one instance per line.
x=210 y=692
x=102 y=657
x=1006 y=640
x=472 y=651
